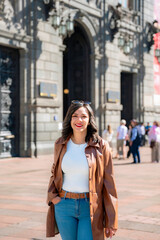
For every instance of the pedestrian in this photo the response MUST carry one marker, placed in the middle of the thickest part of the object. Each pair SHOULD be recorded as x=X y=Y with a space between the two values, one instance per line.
x=128 y=140
x=81 y=193
x=108 y=136
x=142 y=133
x=135 y=142
x=147 y=128
x=154 y=141
x=121 y=139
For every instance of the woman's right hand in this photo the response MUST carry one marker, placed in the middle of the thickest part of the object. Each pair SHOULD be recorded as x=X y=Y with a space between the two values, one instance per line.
x=56 y=200
x=110 y=232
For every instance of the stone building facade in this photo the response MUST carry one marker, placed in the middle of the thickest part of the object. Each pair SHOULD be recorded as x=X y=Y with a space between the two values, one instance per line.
x=107 y=60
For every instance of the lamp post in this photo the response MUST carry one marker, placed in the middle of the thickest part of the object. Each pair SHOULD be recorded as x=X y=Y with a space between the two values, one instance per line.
x=121 y=41
x=62 y=29
x=125 y=42
x=65 y=27
x=131 y=42
x=55 y=20
x=69 y=26
x=126 y=48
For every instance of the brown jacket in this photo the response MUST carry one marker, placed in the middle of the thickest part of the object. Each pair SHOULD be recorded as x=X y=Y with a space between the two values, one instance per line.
x=102 y=190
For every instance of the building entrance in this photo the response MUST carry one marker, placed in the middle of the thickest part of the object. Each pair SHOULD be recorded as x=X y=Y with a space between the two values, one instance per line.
x=9 y=102
x=127 y=96
x=76 y=68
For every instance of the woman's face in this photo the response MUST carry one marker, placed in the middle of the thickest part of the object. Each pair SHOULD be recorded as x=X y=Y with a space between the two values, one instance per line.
x=80 y=120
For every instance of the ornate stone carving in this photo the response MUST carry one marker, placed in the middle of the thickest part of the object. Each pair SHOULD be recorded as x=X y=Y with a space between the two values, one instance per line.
x=7 y=15
x=2 y=5
x=8 y=11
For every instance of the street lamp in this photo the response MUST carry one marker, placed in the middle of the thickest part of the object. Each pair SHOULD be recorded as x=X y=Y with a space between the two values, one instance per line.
x=69 y=26
x=65 y=27
x=125 y=42
x=121 y=41
x=131 y=42
x=126 y=48
x=62 y=29
x=55 y=20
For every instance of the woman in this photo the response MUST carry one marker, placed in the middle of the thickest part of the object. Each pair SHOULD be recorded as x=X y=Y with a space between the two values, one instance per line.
x=81 y=193
x=154 y=141
x=108 y=135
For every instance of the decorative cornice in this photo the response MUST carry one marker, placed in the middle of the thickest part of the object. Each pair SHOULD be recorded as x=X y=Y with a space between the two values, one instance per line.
x=92 y=8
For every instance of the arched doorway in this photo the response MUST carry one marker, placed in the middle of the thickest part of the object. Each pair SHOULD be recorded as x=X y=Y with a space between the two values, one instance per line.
x=76 y=68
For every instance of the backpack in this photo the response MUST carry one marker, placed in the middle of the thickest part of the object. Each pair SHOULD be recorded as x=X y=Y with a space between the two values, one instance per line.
x=138 y=139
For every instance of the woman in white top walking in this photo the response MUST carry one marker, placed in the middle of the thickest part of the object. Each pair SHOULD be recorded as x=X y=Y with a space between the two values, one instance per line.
x=81 y=193
x=108 y=135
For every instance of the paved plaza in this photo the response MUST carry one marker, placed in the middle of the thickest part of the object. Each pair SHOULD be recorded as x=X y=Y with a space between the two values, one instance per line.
x=23 y=189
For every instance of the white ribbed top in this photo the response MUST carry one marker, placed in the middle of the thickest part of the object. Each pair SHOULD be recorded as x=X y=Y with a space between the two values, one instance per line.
x=75 y=168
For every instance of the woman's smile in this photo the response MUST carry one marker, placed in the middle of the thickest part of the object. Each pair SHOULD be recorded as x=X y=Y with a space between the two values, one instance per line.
x=78 y=125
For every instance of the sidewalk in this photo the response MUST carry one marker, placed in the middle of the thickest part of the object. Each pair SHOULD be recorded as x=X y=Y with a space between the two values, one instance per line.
x=23 y=186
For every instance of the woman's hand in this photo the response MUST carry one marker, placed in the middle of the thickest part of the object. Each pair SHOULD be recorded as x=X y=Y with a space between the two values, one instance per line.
x=110 y=232
x=56 y=200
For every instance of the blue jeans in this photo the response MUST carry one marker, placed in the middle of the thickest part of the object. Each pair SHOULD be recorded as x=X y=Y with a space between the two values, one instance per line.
x=73 y=219
x=135 y=153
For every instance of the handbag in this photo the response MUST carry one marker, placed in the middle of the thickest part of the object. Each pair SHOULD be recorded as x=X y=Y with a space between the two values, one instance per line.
x=152 y=144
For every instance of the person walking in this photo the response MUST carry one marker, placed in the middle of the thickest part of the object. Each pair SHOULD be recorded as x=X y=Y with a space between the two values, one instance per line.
x=121 y=139
x=135 y=142
x=82 y=196
x=128 y=140
x=154 y=141
x=147 y=128
x=108 y=136
x=142 y=133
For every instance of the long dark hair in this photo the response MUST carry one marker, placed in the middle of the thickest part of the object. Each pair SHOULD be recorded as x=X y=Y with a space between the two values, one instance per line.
x=92 y=131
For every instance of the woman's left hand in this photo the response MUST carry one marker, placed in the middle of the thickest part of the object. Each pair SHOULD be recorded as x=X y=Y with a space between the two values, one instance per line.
x=110 y=232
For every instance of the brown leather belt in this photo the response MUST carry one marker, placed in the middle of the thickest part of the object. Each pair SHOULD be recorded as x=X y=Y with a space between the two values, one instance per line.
x=73 y=195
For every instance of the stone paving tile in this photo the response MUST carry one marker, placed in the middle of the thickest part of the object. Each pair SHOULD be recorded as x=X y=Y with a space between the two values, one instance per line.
x=23 y=207
x=141 y=227
x=12 y=219
x=127 y=234
x=23 y=198
x=154 y=209
x=2 y=225
x=141 y=219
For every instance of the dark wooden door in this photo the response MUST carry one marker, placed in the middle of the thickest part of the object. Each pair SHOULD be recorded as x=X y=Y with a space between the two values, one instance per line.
x=76 y=69
x=127 y=96
x=9 y=102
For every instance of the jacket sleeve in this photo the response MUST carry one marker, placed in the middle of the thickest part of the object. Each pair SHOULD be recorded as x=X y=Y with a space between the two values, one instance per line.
x=52 y=191
x=109 y=191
